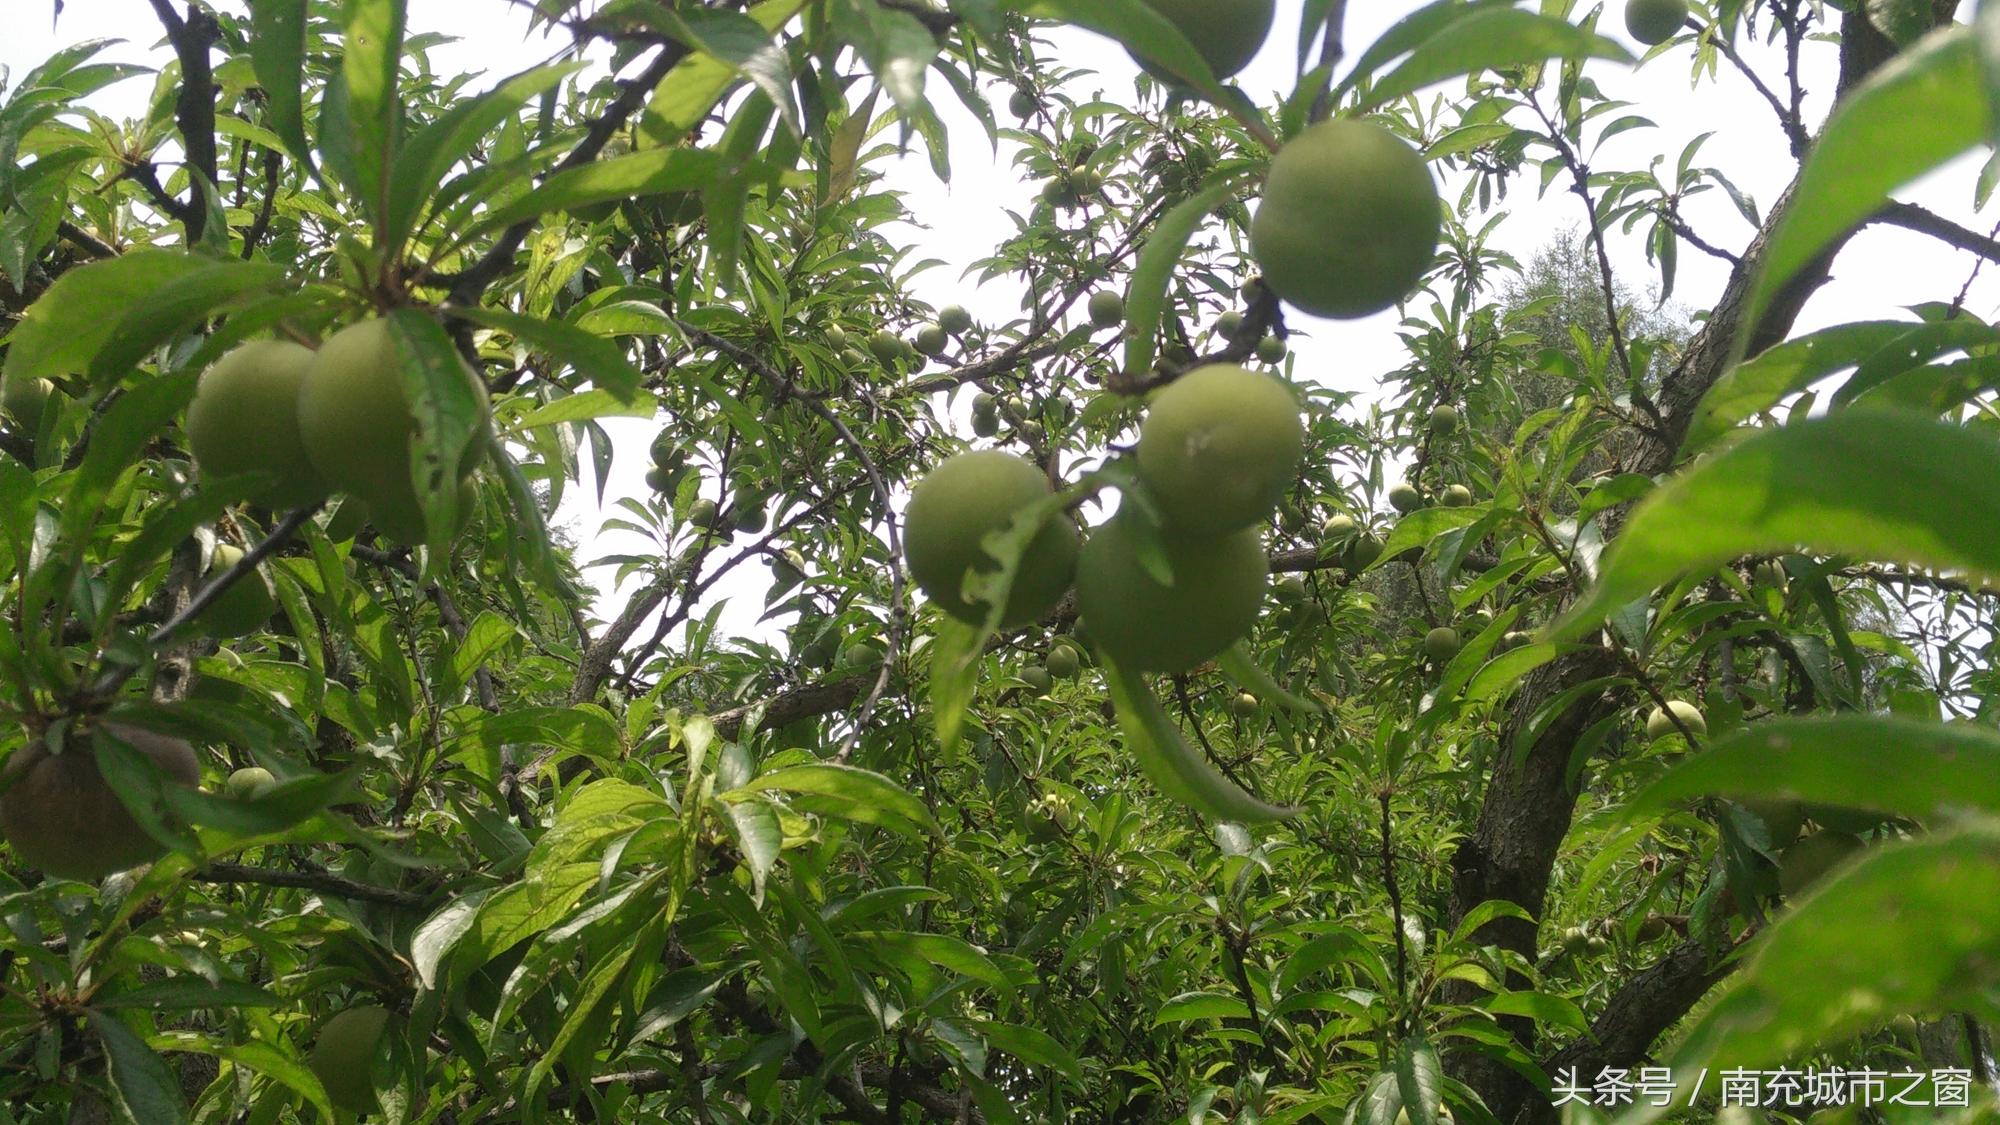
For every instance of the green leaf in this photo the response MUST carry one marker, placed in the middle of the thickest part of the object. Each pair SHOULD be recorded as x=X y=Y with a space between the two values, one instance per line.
x=1876 y=484
x=437 y=935
x=1422 y=526
x=1902 y=767
x=955 y=656
x=422 y=164
x=846 y=792
x=652 y=172
x=1869 y=149
x=192 y=992
x=1146 y=295
x=940 y=951
x=80 y=313
x=1143 y=31
x=277 y=55
x=584 y=406
x=895 y=45
x=372 y=49
x=1914 y=927
x=144 y=1089
x=1420 y=1080
x=1032 y=1046
x=1493 y=38
x=759 y=836
x=159 y=316
x=450 y=413
x=1189 y=1006
x=693 y=87
x=1174 y=766
x=1542 y=1007
x=595 y=358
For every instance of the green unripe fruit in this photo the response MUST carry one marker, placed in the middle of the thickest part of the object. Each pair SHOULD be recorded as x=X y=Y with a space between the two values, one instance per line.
x=347 y=520
x=886 y=347
x=1349 y=220
x=1225 y=33
x=1229 y=323
x=836 y=337
x=1456 y=496
x=954 y=319
x=986 y=423
x=1363 y=552
x=1770 y=573
x=787 y=568
x=1037 y=678
x=661 y=480
x=249 y=783
x=1219 y=447
x=666 y=451
x=1271 y=349
x=246 y=606
x=404 y=523
x=1444 y=419
x=1218 y=586
x=749 y=513
x=1031 y=433
x=1338 y=526
x=1107 y=308
x=1022 y=104
x=983 y=403
x=344 y=1054
x=1659 y=726
x=1653 y=22
x=932 y=340
x=357 y=424
x=1441 y=644
x=25 y=400
x=63 y=819
x=245 y=419
x=1290 y=588
x=852 y=357
x=1058 y=193
x=860 y=656
x=1783 y=819
x=1087 y=181
x=1245 y=705
x=1063 y=662
x=702 y=514
x=1405 y=498
x=1805 y=862
x=1515 y=639
x=955 y=507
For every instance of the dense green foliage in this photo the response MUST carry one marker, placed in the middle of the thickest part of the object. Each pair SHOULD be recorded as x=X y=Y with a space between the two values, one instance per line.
x=1615 y=690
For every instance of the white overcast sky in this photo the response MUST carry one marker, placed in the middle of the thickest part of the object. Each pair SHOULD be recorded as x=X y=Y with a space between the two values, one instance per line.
x=961 y=221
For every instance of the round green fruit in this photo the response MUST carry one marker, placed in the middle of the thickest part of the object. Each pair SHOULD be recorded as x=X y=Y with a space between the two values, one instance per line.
x=1349 y=220
x=1245 y=705
x=1290 y=588
x=1218 y=585
x=985 y=423
x=1405 y=498
x=249 y=783
x=1272 y=349
x=662 y=480
x=347 y=520
x=954 y=319
x=1225 y=33
x=1659 y=726
x=703 y=514
x=1107 y=308
x=245 y=419
x=853 y=357
x=1063 y=661
x=836 y=337
x=955 y=507
x=1456 y=496
x=1087 y=182
x=1022 y=104
x=1229 y=323
x=246 y=606
x=1338 y=526
x=1807 y=861
x=1783 y=819
x=1770 y=573
x=1219 y=447
x=932 y=340
x=343 y=1056
x=1441 y=644
x=1515 y=639
x=860 y=656
x=25 y=400
x=1444 y=419
x=748 y=515
x=357 y=424
x=886 y=347
x=1362 y=553
x=64 y=819
x=1038 y=679
x=1653 y=22
x=666 y=451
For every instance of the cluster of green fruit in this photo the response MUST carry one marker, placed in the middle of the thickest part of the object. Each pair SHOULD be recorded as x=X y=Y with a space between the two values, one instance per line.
x=748 y=510
x=1216 y=452
x=316 y=422
x=1653 y=22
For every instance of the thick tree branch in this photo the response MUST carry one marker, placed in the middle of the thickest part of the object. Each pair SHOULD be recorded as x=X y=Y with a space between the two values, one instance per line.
x=194 y=111
x=317 y=881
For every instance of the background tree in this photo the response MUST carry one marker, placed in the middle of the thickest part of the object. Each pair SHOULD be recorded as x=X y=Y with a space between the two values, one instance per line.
x=1621 y=676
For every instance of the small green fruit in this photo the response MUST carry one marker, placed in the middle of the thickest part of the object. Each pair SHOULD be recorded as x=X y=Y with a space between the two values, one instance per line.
x=1337 y=527
x=932 y=340
x=1807 y=861
x=852 y=357
x=1444 y=419
x=836 y=337
x=25 y=400
x=886 y=347
x=1245 y=706
x=1219 y=447
x=955 y=507
x=1659 y=726
x=1022 y=104
x=1441 y=644
x=1653 y=22
x=985 y=424
x=1363 y=552
x=1038 y=679
x=1107 y=308
x=1456 y=496
x=748 y=514
x=64 y=819
x=702 y=514
x=954 y=319
x=1087 y=182
x=1063 y=661
x=1229 y=324
x=343 y=1056
x=1783 y=819
x=1290 y=588
x=1515 y=639
x=249 y=783
x=245 y=419
x=1349 y=221
x=1272 y=349
x=861 y=656
x=1218 y=587
x=246 y=606
x=1405 y=498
